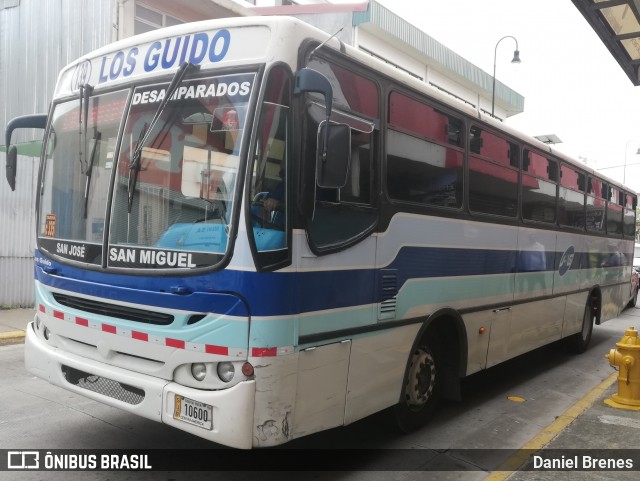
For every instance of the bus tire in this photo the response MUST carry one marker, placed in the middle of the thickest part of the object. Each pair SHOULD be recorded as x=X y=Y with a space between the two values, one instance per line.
x=421 y=387
x=579 y=342
x=634 y=299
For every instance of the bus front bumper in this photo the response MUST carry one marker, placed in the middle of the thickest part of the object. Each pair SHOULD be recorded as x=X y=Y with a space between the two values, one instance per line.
x=146 y=396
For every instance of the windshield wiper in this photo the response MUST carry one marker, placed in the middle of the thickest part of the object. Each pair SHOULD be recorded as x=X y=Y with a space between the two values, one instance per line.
x=83 y=120
x=96 y=139
x=134 y=167
x=136 y=158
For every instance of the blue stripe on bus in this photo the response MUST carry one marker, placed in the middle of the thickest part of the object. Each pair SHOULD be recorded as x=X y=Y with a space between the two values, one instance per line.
x=291 y=293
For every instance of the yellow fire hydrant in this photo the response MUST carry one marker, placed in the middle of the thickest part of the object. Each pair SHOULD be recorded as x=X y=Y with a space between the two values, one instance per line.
x=627 y=358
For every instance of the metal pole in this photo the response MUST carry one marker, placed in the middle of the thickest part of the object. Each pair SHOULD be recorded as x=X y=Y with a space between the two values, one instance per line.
x=495 y=52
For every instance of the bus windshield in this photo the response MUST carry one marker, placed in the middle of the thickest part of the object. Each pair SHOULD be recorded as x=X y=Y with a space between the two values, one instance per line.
x=170 y=208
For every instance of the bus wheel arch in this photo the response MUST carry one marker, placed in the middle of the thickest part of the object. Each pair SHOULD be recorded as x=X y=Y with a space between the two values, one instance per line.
x=434 y=367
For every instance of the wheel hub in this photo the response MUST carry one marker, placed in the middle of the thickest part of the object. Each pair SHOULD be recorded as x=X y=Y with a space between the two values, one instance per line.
x=422 y=379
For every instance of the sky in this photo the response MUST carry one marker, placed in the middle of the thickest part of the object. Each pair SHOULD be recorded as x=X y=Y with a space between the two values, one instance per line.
x=573 y=87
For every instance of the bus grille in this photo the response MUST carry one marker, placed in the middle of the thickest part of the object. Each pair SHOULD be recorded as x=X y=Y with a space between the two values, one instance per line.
x=114 y=310
x=102 y=385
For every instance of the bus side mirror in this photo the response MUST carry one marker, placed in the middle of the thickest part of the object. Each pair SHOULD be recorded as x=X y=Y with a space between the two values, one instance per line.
x=309 y=80
x=35 y=121
x=12 y=157
x=332 y=169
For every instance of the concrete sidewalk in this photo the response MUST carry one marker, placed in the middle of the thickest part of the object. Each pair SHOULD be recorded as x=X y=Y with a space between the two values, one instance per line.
x=13 y=323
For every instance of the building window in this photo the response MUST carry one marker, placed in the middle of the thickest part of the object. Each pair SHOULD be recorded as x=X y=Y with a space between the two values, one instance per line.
x=148 y=19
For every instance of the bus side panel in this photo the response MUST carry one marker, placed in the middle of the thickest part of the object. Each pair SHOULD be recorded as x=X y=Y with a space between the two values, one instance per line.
x=574 y=313
x=478 y=343
x=322 y=388
x=612 y=301
x=276 y=386
x=570 y=268
x=376 y=370
x=535 y=324
x=535 y=265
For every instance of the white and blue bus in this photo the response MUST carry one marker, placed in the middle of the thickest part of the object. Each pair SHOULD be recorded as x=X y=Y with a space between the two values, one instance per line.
x=252 y=232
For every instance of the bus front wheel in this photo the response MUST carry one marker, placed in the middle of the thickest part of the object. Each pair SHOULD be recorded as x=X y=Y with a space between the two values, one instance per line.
x=421 y=387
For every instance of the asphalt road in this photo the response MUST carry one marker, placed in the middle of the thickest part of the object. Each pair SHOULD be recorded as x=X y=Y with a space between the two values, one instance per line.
x=37 y=415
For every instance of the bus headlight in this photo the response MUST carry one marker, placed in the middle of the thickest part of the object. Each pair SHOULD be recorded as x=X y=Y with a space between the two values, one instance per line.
x=212 y=375
x=198 y=371
x=226 y=371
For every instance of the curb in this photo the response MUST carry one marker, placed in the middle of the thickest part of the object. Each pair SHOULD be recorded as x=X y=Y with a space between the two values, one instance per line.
x=12 y=337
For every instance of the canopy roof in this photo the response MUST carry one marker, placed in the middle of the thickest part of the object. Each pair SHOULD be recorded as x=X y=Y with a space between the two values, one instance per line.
x=617 y=24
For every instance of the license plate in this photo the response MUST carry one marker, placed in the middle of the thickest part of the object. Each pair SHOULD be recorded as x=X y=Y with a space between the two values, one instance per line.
x=193 y=412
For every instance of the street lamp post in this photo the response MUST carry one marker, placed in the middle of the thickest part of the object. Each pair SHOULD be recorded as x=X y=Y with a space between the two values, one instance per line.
x=516 y=59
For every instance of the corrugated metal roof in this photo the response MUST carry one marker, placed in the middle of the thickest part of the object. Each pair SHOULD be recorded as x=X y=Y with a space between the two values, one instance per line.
x=437 y=55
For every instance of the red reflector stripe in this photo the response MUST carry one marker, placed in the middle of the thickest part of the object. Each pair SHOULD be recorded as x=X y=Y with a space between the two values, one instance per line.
x=264 y=351
x=58 y=314
x=209 y=349
x=108 y=328
x=82 y=322
x=174 y=343
x=42 y=309
x=140 y=336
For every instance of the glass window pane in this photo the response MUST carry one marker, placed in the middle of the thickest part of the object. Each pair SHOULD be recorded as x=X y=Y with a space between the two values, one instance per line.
x=77 y=174
x=538 y=199
x=571 y=178
x=493 y=188
x=180 y=195
x=423 y=172
x=614 y=219
x=493 y=147
x=423 y=120
x=149 y=15
x=169 y=21
x=269 y=180
x=571 y=208
x=539 y=166
x=595 y=214
x=596 y=188
x=141 y=27
x=350 y=90
x=629 y=223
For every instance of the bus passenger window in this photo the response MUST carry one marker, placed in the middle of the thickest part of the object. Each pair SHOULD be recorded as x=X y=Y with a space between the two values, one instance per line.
x=614 y=212
x=595 y=205
x=423 y=172
x=571 y=200
x=629 y=216
x=424 y=154
x=493 y=178
x=538 y=188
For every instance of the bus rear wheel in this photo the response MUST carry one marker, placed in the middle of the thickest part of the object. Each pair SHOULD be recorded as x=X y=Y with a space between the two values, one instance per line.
x=421 y=387
x=579 y=342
